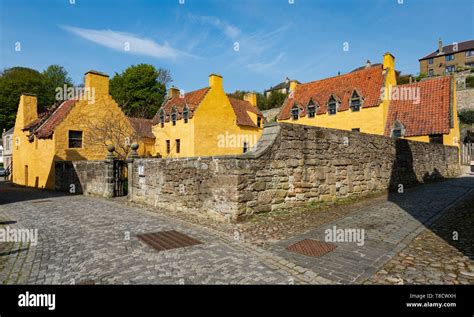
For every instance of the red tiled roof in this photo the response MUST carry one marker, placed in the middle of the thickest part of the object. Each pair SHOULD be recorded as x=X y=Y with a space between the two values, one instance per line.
x=430 y=116
x=449 y=49
x=44 y=126
x=367 y=82
x=192 y=99
x=241 y=107
x=142 y=126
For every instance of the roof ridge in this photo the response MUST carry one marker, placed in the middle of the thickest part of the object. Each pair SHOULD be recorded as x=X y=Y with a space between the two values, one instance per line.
x=342 y=75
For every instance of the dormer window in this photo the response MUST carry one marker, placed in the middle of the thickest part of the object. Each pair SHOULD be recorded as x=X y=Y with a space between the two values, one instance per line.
x=355 y=101
x=162 y=118
x=186 y=114
x=332 y=106
x=311 y=109
x=174 y=115
x=295 y=112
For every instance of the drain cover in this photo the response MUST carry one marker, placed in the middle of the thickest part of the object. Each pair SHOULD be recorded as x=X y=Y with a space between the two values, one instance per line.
x=166 y=240
x=310 y=247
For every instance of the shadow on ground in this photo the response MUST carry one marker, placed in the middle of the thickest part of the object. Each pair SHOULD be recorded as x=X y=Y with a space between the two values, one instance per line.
x=403 y=176
x=10 y=193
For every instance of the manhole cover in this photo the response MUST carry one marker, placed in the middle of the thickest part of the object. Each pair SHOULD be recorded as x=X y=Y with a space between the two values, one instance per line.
x=310 y=247
x=166 y=240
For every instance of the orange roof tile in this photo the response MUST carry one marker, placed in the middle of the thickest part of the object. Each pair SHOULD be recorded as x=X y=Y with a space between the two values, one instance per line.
x=44 y=128
x=241 y=107
x=142 y=126
x=430 y=116
x=192 y=99
x=367 y=82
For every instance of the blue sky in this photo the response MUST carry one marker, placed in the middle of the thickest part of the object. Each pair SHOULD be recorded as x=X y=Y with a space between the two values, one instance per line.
x=303 y=40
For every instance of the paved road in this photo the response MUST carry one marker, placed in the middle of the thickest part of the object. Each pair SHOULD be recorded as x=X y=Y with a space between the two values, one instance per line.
x=389 y=227
x=83 y=239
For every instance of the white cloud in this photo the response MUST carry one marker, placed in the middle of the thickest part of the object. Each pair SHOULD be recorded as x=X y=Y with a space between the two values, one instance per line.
x=264 y=66
x=119 y=41
x=228 y=29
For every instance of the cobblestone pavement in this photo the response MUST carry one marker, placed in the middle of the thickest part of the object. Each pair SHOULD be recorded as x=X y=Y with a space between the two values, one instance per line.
x=267 y=228
x=83 y=239
x=442 y=254
x=389 y=227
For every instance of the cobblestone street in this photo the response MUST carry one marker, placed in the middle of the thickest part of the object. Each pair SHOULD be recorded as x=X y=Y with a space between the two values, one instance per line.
x=91 y=240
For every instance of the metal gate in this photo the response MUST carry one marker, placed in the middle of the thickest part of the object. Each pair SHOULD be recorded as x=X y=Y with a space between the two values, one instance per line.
x=467 y=153
x=120 y=178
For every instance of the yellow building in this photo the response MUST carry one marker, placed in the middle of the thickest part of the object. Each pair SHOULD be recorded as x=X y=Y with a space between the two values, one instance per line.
x=368 y=100
x=206 y=122
x=77 y=129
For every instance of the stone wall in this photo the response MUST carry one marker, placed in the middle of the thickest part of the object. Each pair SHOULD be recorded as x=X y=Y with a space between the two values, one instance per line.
x=88 y=177
x=291 y=166
x=271 y=114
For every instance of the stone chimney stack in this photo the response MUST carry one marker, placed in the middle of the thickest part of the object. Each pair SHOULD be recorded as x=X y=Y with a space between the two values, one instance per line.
x=97 y=83
x=368 y=64
x=293 y=84
x=173 y=92
x=215 y=81
x=251 y=97
x=440 y=46
x=27 y=110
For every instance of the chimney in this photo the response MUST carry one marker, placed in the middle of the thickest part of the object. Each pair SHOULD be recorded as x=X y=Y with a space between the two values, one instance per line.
x=410 y=79
x=173 y=92
x=27 y=110
x=293 y=85
x=440 y=46
x=215 y=81
x=368 y=64
x=97 y=83
x=252 y=98
x=388 y=61
x=287 y=80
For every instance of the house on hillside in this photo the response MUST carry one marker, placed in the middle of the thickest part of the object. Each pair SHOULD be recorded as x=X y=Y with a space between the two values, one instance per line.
x=206 y=122
x=284 y=87
x=447 y=59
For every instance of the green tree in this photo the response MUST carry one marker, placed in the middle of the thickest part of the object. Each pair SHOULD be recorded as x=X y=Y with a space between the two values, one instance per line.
x=140 y=89
x=261 y=101
x=55 y=76
x=466 y=116
x=275 y=100
x=17 y=80
x=13 y=82
x=238 y=94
